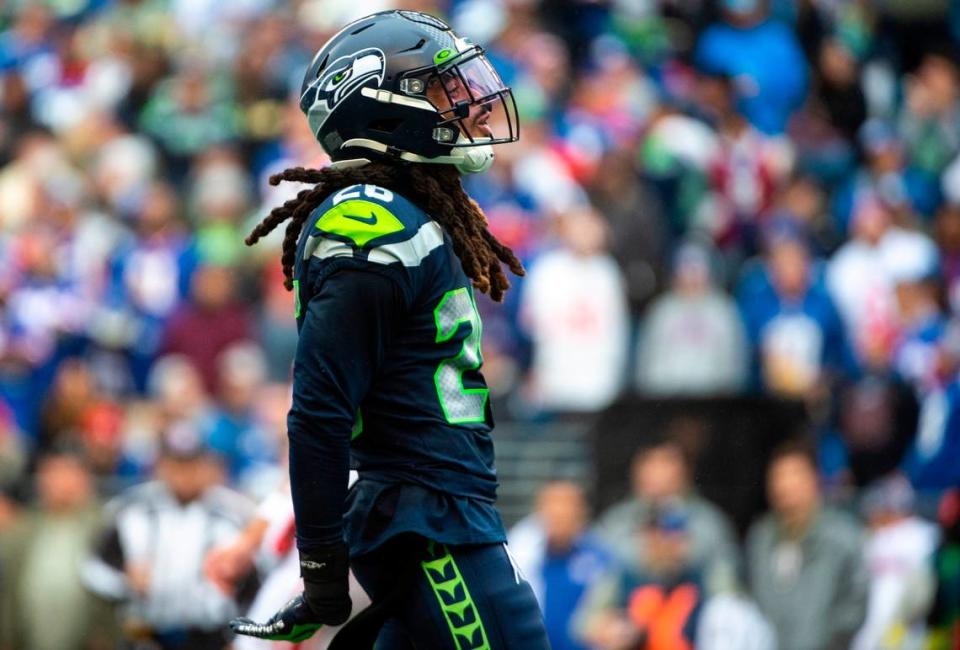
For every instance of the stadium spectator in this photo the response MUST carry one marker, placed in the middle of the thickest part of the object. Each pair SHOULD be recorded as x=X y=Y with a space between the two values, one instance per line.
x=575 y=311
x=762 y=57
x=947 y=236
x=187 y=114
x=149 y=277
x=654 y=599
x=541 y=173
x=877 y=415
x=28 y=42
x=214 y=310
x=692 y=341
x=859 y=275
x=932 y=111
x=805 y=560
x=803 y=200
x=111 y=463
x=638 y=233
x=17 y=118
x=73 y=393
x=747 y=168
x=661 y=479
x=838 y=92
x=822 y=151
x=176 y=391
x=236 y=428
x=47 y=305
x=558 y=557
x=42 y=555
x=917 y=354
x=899 y=557
x=887 y=175
x=151 y=553
x=792 y=324
x=218 y=200
x=123 y=166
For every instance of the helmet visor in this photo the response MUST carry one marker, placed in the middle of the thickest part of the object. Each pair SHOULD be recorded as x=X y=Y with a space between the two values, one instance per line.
x=469 y=94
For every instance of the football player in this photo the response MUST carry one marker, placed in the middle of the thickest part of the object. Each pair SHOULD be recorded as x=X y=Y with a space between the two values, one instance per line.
x=384 y=254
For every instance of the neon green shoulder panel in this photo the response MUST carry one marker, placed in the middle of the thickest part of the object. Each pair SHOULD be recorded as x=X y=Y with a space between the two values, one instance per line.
x=359 y=221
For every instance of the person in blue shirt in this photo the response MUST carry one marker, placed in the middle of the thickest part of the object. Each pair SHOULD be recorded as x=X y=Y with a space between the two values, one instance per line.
x=562 y=560
x=763 y=58
x=384 y=253
x=791 y=321
x=887 y=173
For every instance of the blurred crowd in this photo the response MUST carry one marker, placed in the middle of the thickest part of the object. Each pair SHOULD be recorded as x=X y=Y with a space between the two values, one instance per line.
x=712 y=199
x=662 y=569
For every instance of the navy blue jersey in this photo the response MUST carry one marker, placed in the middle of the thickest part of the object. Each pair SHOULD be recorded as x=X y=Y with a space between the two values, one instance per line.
x=388 y=363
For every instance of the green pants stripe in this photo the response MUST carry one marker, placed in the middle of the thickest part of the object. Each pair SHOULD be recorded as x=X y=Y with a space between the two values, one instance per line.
x=457 y=605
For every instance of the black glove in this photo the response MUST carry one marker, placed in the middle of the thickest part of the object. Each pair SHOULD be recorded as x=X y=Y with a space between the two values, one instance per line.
x=325 y=599
x=295 y=622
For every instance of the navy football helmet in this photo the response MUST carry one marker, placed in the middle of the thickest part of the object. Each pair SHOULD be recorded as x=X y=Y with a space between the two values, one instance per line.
x=401 y=85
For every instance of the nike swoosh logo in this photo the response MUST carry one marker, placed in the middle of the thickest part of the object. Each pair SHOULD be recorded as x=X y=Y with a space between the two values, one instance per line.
x=370 y=221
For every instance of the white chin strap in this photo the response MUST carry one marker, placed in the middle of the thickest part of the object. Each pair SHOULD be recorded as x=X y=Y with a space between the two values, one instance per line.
x=467 y=159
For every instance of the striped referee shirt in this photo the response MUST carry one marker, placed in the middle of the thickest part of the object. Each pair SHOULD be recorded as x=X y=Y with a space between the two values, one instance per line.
x=148 y=527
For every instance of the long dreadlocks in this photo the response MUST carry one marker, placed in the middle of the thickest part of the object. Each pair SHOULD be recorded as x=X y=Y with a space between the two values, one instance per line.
x=439 y=192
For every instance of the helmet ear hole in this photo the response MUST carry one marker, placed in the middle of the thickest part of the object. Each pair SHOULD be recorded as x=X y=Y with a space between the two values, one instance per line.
x=385 y=125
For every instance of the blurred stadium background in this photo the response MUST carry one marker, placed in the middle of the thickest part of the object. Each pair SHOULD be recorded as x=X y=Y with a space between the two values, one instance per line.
x=741 y=224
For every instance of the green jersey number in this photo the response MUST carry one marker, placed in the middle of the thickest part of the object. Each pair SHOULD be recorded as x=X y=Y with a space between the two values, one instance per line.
x=460 y=405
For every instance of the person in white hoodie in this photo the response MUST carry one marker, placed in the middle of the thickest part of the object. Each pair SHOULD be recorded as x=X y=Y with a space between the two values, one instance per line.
x=574 y=307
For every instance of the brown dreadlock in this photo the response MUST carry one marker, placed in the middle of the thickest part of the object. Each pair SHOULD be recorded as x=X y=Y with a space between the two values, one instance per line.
x=439 y=193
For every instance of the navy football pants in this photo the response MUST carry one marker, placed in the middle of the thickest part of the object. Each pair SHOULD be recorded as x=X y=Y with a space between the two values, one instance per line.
x=438 y=597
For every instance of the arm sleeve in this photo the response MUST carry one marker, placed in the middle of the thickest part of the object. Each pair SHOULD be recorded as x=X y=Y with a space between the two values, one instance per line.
x=102 y=572
x=603 y=597
x=346 y=328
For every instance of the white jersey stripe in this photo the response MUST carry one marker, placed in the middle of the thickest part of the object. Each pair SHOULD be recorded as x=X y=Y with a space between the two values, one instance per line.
x=410 y=252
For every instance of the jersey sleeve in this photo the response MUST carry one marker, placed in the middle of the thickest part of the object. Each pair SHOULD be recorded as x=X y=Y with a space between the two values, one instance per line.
x=346 y=328
x=368 y=227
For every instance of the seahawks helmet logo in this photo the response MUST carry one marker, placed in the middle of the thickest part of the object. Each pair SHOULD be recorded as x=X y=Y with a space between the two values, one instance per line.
x=338 y=81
